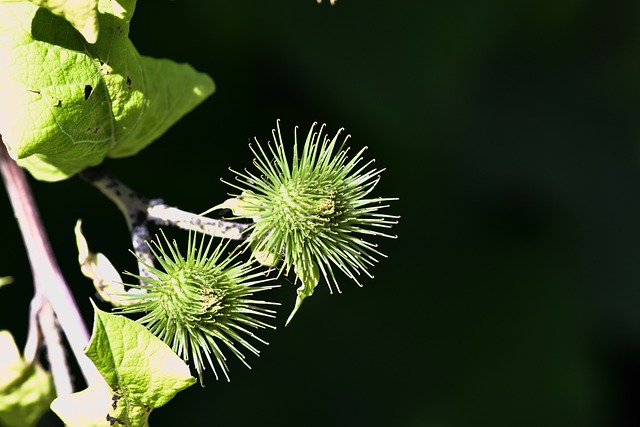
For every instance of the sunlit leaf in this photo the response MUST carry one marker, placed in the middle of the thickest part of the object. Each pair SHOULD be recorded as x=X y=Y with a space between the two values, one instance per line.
x=100 y=270
x=68 y=104
x=25 y=389
x=141 y=373
x=5 y=280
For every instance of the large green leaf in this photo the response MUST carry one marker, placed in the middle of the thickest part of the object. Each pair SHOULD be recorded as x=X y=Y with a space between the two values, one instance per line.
x=66 y=104
x=141 y=373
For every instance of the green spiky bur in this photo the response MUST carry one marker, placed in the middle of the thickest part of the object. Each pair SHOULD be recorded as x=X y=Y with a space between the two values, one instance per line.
x=313 y=212
x=201 y=303
x=140 y=373
x=67 y=104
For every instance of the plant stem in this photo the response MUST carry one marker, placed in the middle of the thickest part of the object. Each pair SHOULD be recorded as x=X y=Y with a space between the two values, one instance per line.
x=47 y=278
x=138 y=210
x=55 y=350
x=163 y=214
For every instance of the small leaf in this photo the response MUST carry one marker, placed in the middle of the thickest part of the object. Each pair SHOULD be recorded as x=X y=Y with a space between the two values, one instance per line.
x=25 y=389
x=237 y=206
x=101 y=271
x=74 y=103
x=266 y=258
x=98 y=268
x=5 y=280
x=309 y=278
x=141 y=371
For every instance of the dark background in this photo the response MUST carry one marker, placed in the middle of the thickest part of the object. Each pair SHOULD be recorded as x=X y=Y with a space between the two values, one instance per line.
x=509 y=131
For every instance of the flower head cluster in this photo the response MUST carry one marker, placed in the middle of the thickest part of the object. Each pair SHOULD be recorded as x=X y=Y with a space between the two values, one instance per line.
x=200 y=303
x=314 y=212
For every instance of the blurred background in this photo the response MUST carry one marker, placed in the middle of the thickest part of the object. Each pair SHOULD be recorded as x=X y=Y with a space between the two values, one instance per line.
x=510 y=133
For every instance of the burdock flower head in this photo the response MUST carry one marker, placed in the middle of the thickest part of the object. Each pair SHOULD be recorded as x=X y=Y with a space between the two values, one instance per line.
x=200 y=303
x=312 y=213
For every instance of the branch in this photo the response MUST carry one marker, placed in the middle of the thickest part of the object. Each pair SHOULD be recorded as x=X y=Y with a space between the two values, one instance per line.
x=48 y=281
x=138 y=210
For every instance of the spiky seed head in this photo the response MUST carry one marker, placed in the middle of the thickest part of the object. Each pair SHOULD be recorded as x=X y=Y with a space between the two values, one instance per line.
x=202 y=302
x=314 y=212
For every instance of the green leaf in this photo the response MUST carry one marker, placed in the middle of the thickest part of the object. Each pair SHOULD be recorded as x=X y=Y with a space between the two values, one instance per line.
x=25 y=389
x=309 y=277
x=241 y=206
x=141 y=373
x=237 y=205
x=105 y=277
x=98 y=268
x=5 y=280
x=74 y=103
x=264 y=257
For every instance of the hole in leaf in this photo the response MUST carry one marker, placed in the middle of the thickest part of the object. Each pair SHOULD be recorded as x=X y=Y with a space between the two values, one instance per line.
x=113 y=420
x=88 y=90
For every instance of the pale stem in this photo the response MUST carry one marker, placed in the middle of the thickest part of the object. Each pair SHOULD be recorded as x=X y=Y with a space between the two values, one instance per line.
x=47 y=278
x=55 y=349
x=138 y=210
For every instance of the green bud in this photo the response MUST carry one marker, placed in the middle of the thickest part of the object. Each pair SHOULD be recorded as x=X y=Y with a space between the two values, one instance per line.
x=314 y=212
x=201 y=302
